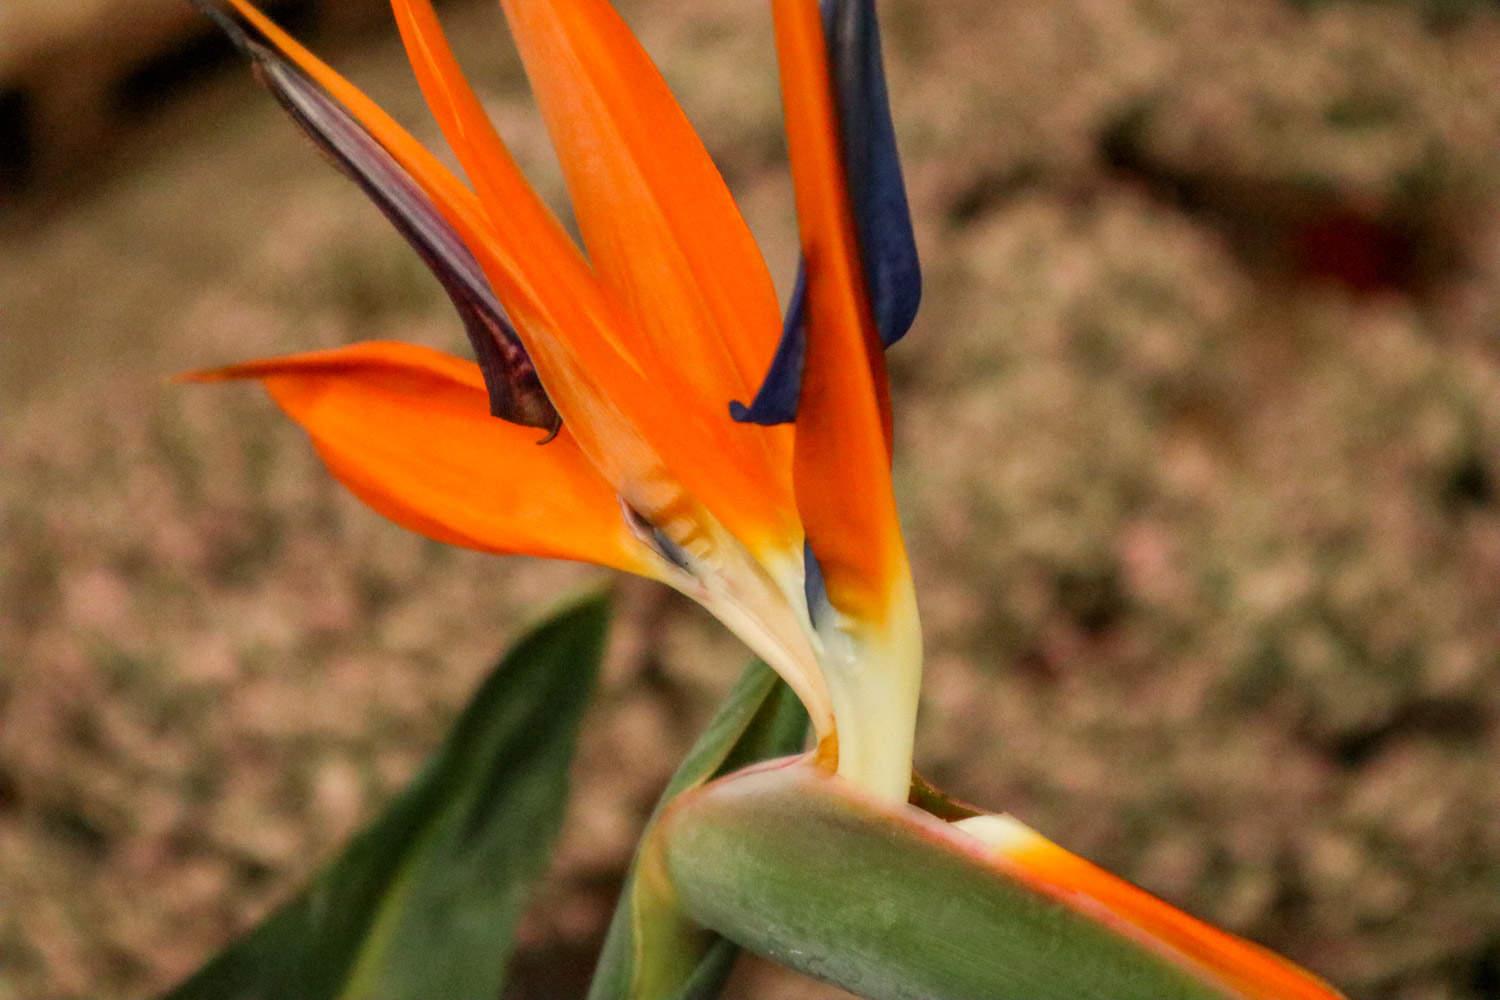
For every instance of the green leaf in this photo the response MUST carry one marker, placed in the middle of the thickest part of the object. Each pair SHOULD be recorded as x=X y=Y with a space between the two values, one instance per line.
x=890 y=902
x=652 y=952
x=424 y=902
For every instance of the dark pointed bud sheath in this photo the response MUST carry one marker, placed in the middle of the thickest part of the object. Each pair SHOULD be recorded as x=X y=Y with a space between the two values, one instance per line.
x=515 y=391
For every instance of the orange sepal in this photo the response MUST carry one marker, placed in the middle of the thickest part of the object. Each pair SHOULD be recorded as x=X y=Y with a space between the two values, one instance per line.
x=842 y=458
x=408 y=430
x=663 y=231
x=1252 y=972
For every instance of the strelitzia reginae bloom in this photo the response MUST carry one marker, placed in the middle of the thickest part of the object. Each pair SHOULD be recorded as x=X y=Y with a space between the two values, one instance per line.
x=640 y=403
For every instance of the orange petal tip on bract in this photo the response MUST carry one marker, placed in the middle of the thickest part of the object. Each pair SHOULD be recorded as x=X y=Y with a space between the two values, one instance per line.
x=1241 y=968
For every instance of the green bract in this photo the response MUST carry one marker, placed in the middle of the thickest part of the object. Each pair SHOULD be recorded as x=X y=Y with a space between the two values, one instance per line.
x=887 y=901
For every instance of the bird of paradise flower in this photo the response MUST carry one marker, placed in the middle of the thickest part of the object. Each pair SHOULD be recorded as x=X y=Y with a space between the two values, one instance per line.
x=645 y=408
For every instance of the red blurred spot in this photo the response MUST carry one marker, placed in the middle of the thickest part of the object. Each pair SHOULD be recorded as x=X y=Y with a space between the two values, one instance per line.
x=1353 y=250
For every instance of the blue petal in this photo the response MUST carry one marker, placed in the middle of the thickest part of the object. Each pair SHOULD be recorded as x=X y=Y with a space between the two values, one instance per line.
x=872 y=164
x=813 y=586
x=515 y=391
x=776 y=402
x=873 y=167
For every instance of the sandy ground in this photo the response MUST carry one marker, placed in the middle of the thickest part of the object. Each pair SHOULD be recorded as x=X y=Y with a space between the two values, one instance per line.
x=1199 y=450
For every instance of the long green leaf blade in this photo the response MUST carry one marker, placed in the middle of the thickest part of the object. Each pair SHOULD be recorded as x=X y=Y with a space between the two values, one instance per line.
x=652 y=953
x=423 y=903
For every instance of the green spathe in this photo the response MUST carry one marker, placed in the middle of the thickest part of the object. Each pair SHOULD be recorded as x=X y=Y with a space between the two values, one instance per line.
x=424 y=902
x=887 y=901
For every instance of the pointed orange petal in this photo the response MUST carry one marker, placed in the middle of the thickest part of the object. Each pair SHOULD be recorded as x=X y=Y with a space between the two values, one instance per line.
x=408 y=430
x=662 y=229
x=630 y=410
x=1223 y=959
x=541 y=266
x=842 y=464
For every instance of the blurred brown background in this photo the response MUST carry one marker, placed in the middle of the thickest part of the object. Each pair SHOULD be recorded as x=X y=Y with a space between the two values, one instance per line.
x=1199 y=449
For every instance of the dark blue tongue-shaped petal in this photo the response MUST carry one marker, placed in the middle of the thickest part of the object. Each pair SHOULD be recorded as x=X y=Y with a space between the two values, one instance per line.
x=872 y=166
x=776 y=402
x=516 y=393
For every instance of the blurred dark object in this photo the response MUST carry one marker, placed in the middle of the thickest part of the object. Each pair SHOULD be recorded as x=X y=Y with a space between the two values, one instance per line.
x=76 y=75
x=1310 y=228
